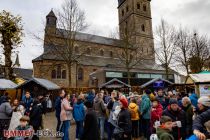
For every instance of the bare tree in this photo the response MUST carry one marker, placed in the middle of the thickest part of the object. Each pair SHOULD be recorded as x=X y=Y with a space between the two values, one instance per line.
x=183 y=48
x=165 y=50
x=131 y=54
x=199 y=52
x=71 y=21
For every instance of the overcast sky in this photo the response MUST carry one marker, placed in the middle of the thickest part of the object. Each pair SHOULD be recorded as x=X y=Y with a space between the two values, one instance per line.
x=102 y=17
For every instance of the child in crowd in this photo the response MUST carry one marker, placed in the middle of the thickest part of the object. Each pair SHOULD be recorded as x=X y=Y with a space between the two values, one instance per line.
x=24 y=125
x=163 y=131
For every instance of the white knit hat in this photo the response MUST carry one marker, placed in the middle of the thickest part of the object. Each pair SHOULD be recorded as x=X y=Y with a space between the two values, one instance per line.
x=204 y=100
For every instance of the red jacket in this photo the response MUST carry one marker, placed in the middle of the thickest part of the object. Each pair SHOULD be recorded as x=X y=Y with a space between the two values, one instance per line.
x=156 y=114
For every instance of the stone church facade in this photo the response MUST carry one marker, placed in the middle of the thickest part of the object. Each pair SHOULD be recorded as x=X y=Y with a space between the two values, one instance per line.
x=101 y=53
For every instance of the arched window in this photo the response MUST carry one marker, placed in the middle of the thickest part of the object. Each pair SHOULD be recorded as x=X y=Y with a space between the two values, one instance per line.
x=127 y=8
x=144 y=7
x=63 y=74
x=138 y=5
x=80 y=74
x=111 y=53
x=88 y=51
x=53 y=74
x=76 y=50
x=143 y=27
x=122 y=12
x=59 y=72
x=101 y=52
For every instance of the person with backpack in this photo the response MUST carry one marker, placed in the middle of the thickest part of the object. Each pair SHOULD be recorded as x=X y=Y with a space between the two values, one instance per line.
x=134 y=110
x=100 y=110
x=145 y=110
x=79 y=116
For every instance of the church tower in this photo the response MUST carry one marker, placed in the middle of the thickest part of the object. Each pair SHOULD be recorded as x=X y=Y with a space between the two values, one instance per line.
x=135 y=16
x=51 y=21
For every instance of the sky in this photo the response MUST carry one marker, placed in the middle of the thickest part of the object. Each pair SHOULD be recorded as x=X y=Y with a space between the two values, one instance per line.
x=102 y=16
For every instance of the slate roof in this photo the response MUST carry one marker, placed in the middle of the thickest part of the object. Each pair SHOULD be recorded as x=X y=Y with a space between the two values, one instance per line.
x=110 y=84
x=23 y=73
x=90 y=38
x=7 y=84
x=154 y=80
x=42 y=82
x=51 y=14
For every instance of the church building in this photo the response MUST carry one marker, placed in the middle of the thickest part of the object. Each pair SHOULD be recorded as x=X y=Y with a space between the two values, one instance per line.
x=100 y=63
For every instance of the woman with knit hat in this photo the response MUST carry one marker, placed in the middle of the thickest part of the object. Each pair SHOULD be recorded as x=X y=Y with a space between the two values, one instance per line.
x=203 y=105
x=124 y=128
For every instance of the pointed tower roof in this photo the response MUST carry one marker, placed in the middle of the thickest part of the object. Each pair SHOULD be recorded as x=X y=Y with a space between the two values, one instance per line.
x=17 y=62
x=51 y=14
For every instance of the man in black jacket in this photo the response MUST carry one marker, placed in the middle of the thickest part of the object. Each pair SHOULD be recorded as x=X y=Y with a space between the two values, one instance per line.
x=177 y=115
x=198 y=124
x=91 y=130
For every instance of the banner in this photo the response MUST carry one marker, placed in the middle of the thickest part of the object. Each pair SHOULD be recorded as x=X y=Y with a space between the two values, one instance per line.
x=204 y=89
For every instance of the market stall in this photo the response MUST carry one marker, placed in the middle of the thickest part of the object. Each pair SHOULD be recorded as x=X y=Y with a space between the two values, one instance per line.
x=201 y=83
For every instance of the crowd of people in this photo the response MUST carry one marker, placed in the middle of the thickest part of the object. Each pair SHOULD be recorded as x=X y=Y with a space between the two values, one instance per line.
x=157 y=115
x=25 y=114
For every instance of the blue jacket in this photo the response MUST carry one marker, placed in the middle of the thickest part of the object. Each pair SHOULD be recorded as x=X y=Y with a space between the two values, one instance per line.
x=194 y=99
x=79 y=111
x=27 y=103
x=58 y=107
x=145 y=107
x=90 y=97
x=193 y=137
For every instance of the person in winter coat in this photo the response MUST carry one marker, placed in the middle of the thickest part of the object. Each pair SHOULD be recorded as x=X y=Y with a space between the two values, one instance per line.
x=124 y=125
x=5 y=115
x=28 y=100
x=100 y=110
x=91 y=131
x=79 y=116
x=199 y=135
x=178 y=116
x=134 y=110
x=203 y=105
x=194 y=99
x=156 y=113
x=145 y=110
x=164 y=130
x=36 y=117
x=91 y=96
x=198 y=123
x=58 y=109
x=24 y=125
x=112 y=107
x=161 y=98
x=66 y=116
x=187 y=107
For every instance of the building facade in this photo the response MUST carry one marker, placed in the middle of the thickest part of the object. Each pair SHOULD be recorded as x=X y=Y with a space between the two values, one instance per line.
x=101 y=53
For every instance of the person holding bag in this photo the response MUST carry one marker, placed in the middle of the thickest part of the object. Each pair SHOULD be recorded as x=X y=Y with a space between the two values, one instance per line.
x=66 y=116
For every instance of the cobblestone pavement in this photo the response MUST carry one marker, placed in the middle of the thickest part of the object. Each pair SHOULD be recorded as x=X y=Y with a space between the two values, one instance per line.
x=50 y=123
